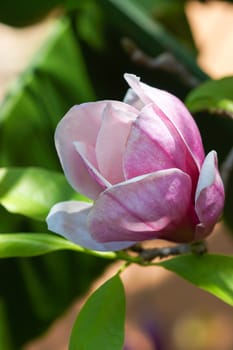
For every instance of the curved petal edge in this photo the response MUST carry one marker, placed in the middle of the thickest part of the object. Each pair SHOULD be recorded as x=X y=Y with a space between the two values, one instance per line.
x=209 y=199
x=69 y=219
x=146 y=207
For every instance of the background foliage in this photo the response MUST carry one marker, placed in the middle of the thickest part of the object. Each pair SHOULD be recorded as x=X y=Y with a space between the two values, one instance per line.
x=83 y=59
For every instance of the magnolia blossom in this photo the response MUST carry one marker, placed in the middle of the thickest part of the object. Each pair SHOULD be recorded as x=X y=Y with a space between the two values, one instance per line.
x=142 y=163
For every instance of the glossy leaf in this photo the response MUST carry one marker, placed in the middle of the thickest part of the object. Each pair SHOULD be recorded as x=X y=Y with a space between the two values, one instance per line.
x=33 y=191
x=213 y=273
x=213 y=95
x=31 y=244
x=100 y=323
x=21 y=245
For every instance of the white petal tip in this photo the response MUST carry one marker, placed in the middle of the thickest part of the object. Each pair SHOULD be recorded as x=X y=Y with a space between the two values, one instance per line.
x=131 y=77
x=207 y=173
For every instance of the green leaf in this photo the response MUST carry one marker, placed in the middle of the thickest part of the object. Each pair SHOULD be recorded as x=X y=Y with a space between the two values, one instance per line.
x=212 y=95
x=32 y=244
x=100 y=323
x=33 y=191
x=213 y=273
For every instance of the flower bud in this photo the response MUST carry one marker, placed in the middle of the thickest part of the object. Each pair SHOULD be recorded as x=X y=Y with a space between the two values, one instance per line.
x=142 y=162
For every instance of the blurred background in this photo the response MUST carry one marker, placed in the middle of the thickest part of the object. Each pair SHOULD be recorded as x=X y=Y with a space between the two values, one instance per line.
x=55 y=54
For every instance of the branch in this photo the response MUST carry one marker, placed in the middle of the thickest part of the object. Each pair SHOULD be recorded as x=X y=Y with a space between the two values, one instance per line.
x=150 y=254
x=166 y=62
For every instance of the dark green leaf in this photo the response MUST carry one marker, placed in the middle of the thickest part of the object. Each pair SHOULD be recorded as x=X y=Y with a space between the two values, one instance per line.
x=100 y=323
x=89 y=23
x=24 y=12
x=37 y=290
x=213 y=273
x=5 y=336
x=228 y=217
x=149 y=34
x=33 y=191
x=172 y=16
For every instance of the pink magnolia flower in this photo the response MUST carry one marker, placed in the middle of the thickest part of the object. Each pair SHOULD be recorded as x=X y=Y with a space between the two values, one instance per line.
x=142 y=162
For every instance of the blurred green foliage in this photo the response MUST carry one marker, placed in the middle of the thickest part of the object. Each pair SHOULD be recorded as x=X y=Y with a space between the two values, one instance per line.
x=33 y=191
x=213 y=95
x=82 y=60
x=25 y=12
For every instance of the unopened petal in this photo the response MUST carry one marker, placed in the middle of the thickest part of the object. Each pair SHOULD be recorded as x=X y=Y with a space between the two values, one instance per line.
x=111 y=140
x=175 y=110
x=154 y=144
x=69 y=219
x=149 y=206
x=81 y=124
x=132 y=99
x=209 y=199
x=81 y=148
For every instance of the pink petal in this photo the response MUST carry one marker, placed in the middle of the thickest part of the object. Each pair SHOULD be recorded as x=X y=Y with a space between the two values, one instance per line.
x=82 y=150
x=209 y=200
x=111 y=140
x=69 y=219
x=81 y=123
x=150 y=206
x=175 y=110
x=154 y=144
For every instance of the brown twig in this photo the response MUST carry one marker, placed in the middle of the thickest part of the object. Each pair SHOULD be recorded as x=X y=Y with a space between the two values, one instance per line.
x=149 y=254
x=166 y=62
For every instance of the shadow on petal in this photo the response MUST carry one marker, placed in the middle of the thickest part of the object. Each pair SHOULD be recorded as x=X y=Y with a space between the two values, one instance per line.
x=69 y=219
